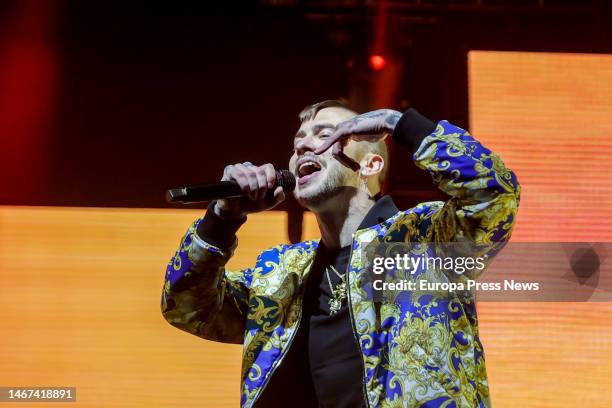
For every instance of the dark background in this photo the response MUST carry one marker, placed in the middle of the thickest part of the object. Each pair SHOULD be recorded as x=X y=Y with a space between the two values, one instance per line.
x=111 y=103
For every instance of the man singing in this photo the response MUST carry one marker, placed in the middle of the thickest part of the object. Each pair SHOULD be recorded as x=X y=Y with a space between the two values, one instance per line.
x=313 y=335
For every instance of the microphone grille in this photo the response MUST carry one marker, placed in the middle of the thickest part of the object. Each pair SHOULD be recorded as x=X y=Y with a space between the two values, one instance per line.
x=286 y=180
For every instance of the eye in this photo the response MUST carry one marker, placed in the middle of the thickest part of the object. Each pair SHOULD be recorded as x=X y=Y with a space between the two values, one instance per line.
x=325 y=134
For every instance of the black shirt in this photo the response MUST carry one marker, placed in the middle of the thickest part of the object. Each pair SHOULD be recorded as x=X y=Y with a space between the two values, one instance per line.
x=336 y=364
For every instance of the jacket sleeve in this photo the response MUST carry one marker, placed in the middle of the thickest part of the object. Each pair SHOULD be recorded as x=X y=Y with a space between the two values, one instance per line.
x=199 y=295
x=484 y=194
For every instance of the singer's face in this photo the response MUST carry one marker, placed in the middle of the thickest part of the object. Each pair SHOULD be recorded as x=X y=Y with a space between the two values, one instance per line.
x=320 y=178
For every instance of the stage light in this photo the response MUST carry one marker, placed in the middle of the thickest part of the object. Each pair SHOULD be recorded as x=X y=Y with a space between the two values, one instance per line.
x=377 y=62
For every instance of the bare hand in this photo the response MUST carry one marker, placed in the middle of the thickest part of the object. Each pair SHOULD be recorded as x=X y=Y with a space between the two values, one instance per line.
x=370 y=126
x=255 y=182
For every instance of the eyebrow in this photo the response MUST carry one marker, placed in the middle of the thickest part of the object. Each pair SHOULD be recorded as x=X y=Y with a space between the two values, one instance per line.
x=316 y=129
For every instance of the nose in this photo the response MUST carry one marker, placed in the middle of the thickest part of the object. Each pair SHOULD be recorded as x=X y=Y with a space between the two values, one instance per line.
x=305 y=144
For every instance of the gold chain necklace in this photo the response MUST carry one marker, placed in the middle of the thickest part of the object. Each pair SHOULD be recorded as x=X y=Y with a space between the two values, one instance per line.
x=338 y=293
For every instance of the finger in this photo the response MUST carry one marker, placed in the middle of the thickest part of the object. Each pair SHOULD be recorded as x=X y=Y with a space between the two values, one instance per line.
x=339 y=154
x=234 y=173
x=262 y=182
x=365 y=128
x=279 y=195
x=337 y=149
x=343 y=132
x=255 y=181
x=270 y=175
x=250 y=186
x=368 y=137
x=227 y=170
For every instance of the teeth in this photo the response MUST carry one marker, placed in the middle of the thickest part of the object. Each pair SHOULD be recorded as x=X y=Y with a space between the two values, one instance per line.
x=308 y=168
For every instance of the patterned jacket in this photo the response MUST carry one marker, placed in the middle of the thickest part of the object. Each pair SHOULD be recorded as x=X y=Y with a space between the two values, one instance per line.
x=418 y=351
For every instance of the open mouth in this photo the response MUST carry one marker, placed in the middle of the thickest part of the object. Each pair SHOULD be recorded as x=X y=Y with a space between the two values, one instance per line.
x=307 y=170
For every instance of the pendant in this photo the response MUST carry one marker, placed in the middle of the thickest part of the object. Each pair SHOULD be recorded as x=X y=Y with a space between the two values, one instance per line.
x=339 y=294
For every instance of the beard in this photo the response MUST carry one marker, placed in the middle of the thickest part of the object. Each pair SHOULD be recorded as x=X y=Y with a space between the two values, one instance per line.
x=318 y=195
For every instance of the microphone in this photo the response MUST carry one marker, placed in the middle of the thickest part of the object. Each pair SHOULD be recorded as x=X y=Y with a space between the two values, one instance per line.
x=222 y=189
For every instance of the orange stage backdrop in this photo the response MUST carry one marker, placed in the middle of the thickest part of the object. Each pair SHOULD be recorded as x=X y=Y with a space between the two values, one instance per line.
x=80 y=288
x=549 y=116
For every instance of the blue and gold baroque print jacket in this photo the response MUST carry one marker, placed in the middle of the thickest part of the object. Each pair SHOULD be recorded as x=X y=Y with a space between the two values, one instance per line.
x=418 y=351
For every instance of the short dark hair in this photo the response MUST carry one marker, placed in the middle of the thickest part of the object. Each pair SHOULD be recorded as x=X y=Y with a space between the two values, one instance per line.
x=309 y=112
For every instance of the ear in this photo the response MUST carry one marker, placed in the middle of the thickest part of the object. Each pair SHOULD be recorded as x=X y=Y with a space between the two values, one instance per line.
x=371 y=165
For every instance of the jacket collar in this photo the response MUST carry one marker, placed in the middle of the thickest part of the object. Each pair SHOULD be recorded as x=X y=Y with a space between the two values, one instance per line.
x=381 y=211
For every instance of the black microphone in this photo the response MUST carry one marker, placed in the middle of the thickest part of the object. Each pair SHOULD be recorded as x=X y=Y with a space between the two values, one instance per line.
x=223 y=189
